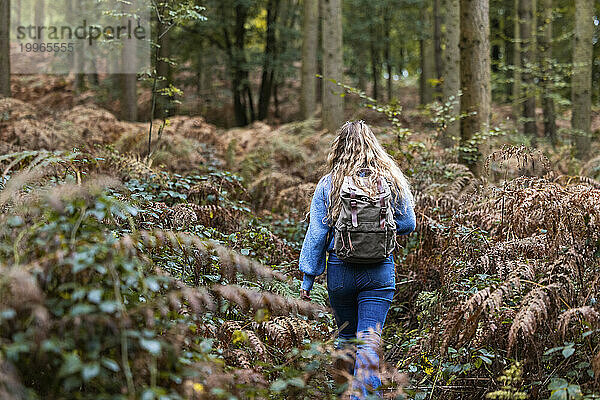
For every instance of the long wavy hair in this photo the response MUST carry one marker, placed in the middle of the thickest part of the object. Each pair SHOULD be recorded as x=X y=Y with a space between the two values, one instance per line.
x=354 y=149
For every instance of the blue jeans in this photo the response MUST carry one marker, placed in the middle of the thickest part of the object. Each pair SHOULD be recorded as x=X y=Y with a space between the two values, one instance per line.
x=360 y=295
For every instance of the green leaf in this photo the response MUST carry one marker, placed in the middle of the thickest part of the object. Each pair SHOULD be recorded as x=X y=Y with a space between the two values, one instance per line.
x=148 y=395
x=552 y=350
x=95 y=296
x=80 y=309
x=568 y=352
x=71 y=365
x=560 y=394
x=90 y=371
x=298 y=382
x=485 y=360
x=558 y=383
x=8 y=313
x=279 y=385
x=108 y=306
x=110 y=364
x=152 y=346
x=574 y=391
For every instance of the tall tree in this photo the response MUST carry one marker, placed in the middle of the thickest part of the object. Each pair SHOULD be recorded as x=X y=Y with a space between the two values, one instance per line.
x=75 y=10
x=310 y=45
x=333 y=63
x=528 y=45
x=451 y=71
x=227 y=29
x=163 y=70
x=387 y=47
x=545 y=45
x=437 y=39
x=374 y=43
x=516 y=64
x=474 y=72
x=270 y=54
x=129 y=80
x=16 y=12
x=427 y=50
x=38 y=12
x=5 y=48
x=581 y=81
x=508 y=34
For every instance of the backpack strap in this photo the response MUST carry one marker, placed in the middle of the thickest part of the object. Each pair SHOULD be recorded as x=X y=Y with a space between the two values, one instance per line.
x=353 y=207
x=383 y=209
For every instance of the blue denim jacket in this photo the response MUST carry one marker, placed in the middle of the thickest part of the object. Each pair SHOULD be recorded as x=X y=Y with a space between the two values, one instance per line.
x=312 y=256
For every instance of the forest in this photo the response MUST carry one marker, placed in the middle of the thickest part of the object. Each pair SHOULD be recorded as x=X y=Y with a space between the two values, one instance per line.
x=154 y=202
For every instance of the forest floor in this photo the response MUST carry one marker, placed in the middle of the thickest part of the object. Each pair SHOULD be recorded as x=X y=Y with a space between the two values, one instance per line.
x=495 y=277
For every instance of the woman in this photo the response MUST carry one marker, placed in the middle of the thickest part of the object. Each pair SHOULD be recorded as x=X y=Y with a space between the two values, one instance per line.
x=360 y=294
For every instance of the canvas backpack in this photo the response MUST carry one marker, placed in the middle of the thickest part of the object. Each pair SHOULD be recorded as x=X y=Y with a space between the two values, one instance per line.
x=365 y=231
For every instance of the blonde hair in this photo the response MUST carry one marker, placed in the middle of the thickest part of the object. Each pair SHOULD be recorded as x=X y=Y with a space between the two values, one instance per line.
x=355 y=148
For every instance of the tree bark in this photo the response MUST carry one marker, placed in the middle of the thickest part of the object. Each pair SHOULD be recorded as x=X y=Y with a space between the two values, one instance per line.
x=516 y=86
x=508 y=32
x=38 y=14
x=268 y=72
x=474 y=73
x=16 y=11
x=581 y=81
x=375 y=63
x=387 y=50
x=129 y=80
x=545 y=42
x=437 y=39
x=451 y=71
x=237 y=57
x=5 y=48
x=79 y=58
x=528 y=43
x=427 y=55
x=333 y=63
x=310 y=43
x=163 y=69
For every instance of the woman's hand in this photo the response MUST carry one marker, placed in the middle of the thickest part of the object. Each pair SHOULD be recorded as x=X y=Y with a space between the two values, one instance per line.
x=305 y=295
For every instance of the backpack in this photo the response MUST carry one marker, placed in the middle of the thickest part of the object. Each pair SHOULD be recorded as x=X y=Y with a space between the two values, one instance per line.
x=365 y=231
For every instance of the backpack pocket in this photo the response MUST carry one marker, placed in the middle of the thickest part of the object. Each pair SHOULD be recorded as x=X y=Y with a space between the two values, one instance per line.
x=364 y=247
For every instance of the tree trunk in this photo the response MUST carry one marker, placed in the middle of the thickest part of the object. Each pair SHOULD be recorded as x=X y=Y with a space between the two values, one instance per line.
x=387 y=50
x=508 y=32
x=333 y=64
x=581 y=82
x=129 y=93
x=270 y=55
x=237 y=55
x=528 y=42
x=310 y=44
x=545 y=41
x=426 y=46
x=451 y=72
x=38 y=14
x=361 y=65
x=163 y=70
x=79 y=57
x=516 y=86
x=5 y=48
x=437 y=39
x=250 y=98
x=16 y=11
x=495 y=52
x=474 y=74
x=373 y=41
